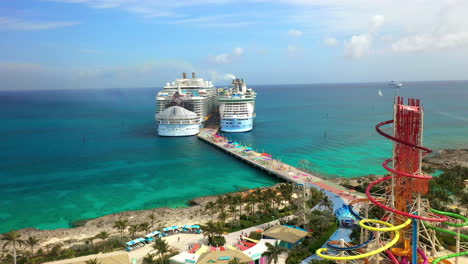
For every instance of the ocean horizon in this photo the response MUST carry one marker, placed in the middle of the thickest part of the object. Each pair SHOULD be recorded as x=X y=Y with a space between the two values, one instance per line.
x=69 y=155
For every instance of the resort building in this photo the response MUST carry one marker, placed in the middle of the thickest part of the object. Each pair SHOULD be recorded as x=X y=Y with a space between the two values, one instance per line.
x=108 y=258
x=210 y=255
x=288 y=235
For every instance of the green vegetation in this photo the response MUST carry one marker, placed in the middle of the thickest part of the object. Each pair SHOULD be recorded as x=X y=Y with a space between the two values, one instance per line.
x=324 y=224
x=214 y=232
x=13 y=240
x=255 y=208
x=26 y=254
x=273 y=252
x=449 y=188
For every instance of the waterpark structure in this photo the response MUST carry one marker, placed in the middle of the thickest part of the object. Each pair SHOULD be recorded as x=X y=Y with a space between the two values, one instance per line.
x=406 y=232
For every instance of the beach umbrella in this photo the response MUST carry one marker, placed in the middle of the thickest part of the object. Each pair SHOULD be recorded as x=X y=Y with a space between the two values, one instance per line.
x=166 y=229
x=175 y=227
x=196 y=226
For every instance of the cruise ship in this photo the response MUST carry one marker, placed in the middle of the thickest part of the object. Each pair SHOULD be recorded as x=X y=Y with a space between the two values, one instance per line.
x=236 y=107
x=184 y=105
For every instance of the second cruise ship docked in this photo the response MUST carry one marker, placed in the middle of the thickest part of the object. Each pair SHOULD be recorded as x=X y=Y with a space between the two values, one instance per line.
x=236 y=107
x=184 y=105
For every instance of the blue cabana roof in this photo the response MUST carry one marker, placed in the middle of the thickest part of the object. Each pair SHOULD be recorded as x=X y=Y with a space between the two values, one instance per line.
x=152 y=234
x=174 y=227
x=140 y=239
x=195 y=226
x=166 y=229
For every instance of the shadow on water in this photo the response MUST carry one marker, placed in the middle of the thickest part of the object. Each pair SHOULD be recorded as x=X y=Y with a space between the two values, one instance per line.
x=147 y=130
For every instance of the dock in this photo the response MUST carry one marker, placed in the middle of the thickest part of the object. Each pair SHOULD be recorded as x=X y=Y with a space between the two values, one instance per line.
x=267 y=163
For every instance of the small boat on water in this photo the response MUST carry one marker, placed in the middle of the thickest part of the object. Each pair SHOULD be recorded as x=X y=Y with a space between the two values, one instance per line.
x=395 y=84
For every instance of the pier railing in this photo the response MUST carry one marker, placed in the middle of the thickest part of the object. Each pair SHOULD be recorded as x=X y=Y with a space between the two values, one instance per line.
x=269 y=164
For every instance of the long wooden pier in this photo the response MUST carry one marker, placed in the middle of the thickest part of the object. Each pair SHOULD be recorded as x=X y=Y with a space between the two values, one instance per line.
x=269 y=164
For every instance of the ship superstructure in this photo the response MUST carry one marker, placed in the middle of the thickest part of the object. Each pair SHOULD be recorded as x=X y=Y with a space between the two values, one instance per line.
x=184 y=105
x=236 y=107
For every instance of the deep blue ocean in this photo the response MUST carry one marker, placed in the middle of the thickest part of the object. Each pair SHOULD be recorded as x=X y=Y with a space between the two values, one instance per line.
x=77 y=154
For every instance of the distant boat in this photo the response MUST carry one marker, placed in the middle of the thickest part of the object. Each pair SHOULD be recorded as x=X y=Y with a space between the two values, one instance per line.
x=380 y=93
x=395 y=84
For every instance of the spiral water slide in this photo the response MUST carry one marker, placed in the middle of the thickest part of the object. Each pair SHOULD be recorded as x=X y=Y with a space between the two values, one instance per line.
x=464 y=222
x=334 y=244
x=406 y=149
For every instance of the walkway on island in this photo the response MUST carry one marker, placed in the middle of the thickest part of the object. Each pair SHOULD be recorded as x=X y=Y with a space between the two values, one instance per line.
x=273 y=166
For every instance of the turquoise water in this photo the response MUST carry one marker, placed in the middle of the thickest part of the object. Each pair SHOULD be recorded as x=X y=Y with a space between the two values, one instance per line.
x=70 y=155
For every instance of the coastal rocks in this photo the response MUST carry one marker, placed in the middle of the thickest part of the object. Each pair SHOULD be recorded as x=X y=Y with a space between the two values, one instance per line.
x=447 y=158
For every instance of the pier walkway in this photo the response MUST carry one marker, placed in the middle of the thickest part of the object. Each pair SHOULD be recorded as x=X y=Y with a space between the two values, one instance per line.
x=272 y=166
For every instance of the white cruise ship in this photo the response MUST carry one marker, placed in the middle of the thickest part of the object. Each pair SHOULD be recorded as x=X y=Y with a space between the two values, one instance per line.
x=236 y=107
x=184 y=105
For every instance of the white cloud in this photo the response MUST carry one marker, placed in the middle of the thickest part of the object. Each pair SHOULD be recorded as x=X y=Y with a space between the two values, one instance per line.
x=330 y=41
x=423 y=42
x=15 y=24
x=358 y=46
x=216 y=76
x=377 y=22
x=295 y=33
x=238 y=51
x=226 y=58
x=27 y=76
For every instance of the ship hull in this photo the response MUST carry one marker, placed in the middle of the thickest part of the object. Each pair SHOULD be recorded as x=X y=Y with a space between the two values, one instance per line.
x=236 y=125
x=178 y=130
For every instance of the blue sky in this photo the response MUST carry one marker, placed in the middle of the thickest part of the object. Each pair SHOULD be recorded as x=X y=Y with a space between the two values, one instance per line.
x=73 y=44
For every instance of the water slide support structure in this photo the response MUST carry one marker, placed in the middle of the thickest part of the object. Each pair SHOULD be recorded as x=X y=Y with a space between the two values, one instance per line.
x=407 y=184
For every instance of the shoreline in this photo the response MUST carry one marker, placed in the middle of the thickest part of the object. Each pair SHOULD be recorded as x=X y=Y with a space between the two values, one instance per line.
x=164 y=216
x=190 y=214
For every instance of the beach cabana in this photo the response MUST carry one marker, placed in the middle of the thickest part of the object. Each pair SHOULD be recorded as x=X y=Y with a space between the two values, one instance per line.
x=223 y=257
x=150 y=237
x=288 y=235
x=135 y=244
x=108 y=258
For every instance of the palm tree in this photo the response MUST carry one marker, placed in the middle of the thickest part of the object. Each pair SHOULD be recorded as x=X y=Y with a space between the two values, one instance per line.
x=273 y=252
x=239 y=201
x=91 y=240
x=223 y=216
x=93 y=261
x=326 y=202
x=152 y=216
x=257 y=196
x=12 y=238
x=144 y=227
x=209 y=230
x=103 y=235
x=149 y=258
x=133 y=229
x=210 y=206
x=232 y=209
x=220 y=203
x=32 y=241
x=235 y=261
x=121 y=225
x=161 y=246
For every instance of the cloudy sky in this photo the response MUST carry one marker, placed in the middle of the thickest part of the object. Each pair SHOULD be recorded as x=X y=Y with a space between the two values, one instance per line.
x=73 y=44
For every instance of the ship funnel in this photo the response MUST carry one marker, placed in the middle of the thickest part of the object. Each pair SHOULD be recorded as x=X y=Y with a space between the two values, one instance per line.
x=184 y=75
x=193 y=75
